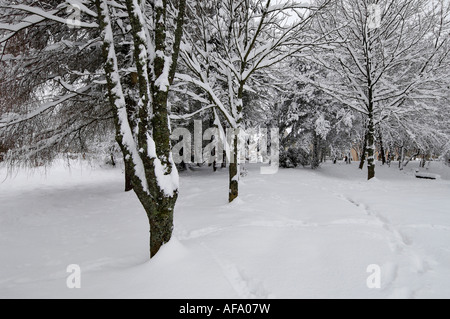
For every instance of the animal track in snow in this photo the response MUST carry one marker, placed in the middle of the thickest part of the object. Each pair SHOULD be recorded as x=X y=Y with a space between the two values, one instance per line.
x=400 y=243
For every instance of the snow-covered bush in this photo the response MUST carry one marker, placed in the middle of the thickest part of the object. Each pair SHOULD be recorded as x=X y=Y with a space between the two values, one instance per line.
x=2 y=153
x=293 y=157
x=447 y=158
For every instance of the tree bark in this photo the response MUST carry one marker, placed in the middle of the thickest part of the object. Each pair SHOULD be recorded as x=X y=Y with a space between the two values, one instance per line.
x=382 y=152
x=323 y=157
x=161 y=227
x=234 y=164
x=128 y=177
x=315 y=152
x=234 y=171
x=423 y=161
x=402 y=158
x=370 y=142
x=147 y=142
x=363 y=152
x=224 y=161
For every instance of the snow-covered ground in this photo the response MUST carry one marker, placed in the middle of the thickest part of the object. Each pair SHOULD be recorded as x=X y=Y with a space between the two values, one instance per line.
x=296 y=234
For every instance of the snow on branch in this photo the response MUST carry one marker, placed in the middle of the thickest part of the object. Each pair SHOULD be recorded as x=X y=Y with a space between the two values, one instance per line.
x=215 y=99
x=13 y=119
x=39 y=15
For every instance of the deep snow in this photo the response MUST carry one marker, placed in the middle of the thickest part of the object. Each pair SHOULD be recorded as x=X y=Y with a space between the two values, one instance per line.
x=296 y=234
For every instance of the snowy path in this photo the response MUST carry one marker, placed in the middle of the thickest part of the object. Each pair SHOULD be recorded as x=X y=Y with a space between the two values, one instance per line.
x=403 y=245
x=296 y=234
x=404 y=264
x=412 y=273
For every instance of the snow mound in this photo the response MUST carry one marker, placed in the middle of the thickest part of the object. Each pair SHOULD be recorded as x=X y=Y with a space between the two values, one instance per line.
x=171 y=252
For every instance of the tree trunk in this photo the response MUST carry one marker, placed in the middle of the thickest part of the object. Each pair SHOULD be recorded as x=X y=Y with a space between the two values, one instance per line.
x=409 y=159
x=213 y=153
x=161 y=228
x=349 y=157
x=160 y=216
x=402 y=159
x=145 y=145
x=224 y=161
x=234 y=171
x=382 y=152
x=315 y=151
x=423 y=161
x=113 y=162
x=128 y=177
x=370 y=146
x=3 y=150
x=363 y=152
x=323 y=157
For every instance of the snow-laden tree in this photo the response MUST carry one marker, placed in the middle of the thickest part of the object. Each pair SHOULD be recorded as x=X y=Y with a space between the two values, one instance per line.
x=230 y=43
x=310 y=121
x=131 y=49
x=389 y=60
x=418 y=133
x=146 y=141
